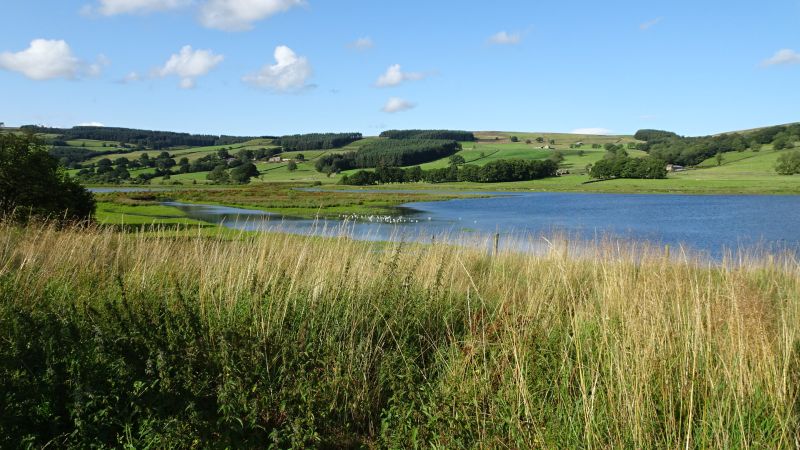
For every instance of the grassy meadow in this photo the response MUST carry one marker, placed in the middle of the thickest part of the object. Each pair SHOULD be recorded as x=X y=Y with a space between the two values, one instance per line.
x=249 y=340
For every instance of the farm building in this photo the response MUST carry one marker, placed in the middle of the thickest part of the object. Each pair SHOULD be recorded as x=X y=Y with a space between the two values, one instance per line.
x=675 y=168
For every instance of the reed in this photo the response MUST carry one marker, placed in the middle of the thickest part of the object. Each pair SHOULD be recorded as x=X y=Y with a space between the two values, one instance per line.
x=166 y=339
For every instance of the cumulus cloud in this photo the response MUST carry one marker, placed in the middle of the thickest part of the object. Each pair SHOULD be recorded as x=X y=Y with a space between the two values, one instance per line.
x=91 y=124
x=396 y=104
x=598 y=131
x=188 y=64
x=394 y=75
x=47 y=59
x=361 y=44
x=239 y=15
x=505 y=38
x=782 y=57
x=650 y=23
x=114 y=7
x=289 y=73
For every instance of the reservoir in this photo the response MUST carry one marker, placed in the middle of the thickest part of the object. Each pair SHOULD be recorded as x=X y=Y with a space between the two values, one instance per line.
x=709 y=224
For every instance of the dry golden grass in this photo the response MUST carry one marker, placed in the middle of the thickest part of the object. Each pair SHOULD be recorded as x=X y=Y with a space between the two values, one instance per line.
x=596 y=346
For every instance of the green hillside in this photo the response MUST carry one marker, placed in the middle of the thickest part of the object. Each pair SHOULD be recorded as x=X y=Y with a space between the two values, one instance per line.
x=738 y=171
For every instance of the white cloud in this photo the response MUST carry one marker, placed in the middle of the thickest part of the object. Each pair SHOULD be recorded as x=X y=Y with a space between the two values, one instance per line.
x=599 y=131
x=96 y=68
x=289 y=73
x=239 y=15
x=132 y=77
x=650 y=23
x=394 y=75
x=47 y=59
x=114 y=7
x=505 y=38
x=364 y=43
x=782 y=57
x=189 y=64
x=396 y=104
x=91 y=124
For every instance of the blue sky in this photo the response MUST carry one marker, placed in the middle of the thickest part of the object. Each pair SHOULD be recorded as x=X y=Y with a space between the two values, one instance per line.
x=209 y=66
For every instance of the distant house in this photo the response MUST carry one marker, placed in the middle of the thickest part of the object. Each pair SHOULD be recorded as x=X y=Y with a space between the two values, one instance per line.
x=675 y=168
x=274 y=159
x=578 y=144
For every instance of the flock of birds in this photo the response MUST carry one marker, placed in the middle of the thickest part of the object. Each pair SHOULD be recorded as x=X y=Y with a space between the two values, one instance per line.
x=378 y=218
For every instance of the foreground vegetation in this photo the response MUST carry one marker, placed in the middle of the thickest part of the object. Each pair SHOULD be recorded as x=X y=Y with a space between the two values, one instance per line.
x=169 y=340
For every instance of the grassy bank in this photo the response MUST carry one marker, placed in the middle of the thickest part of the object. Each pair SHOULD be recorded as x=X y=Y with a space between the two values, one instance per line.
x=144 y=207
x=165 y=340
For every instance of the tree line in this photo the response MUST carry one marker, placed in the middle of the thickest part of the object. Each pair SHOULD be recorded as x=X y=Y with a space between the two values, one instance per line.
x=72 y=157
x=449 y=135
x=222 y=165
x=316 y=141
x=493 y=172
x=622 y=166
x=690 y=151
x=149 y=139
x=389 y=153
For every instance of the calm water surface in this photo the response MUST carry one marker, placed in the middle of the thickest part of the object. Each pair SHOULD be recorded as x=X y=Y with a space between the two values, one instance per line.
x=709 y=223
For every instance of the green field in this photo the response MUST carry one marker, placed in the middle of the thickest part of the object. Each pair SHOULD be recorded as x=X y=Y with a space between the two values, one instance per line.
x=740 y=172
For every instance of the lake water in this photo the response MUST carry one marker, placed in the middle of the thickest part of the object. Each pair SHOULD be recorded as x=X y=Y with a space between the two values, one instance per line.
x=709 y=224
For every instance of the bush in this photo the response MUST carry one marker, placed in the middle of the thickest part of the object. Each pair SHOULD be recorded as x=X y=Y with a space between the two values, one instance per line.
x=788 y=163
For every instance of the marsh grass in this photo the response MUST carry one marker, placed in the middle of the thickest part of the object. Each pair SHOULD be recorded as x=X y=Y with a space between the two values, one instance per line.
x=165 y=339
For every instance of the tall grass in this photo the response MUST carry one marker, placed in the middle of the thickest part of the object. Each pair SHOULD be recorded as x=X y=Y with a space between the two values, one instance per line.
x=161 y=340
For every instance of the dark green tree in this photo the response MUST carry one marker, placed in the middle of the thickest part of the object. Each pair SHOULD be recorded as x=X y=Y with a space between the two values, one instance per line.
x=33 y=183
x=243 y=172
x=219 y=175
x=456 y=160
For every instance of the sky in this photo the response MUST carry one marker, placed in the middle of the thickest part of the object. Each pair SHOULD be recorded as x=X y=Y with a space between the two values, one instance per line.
x=274 y=67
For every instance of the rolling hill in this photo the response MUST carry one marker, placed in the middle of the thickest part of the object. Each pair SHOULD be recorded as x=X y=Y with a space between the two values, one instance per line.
x=740 y=168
